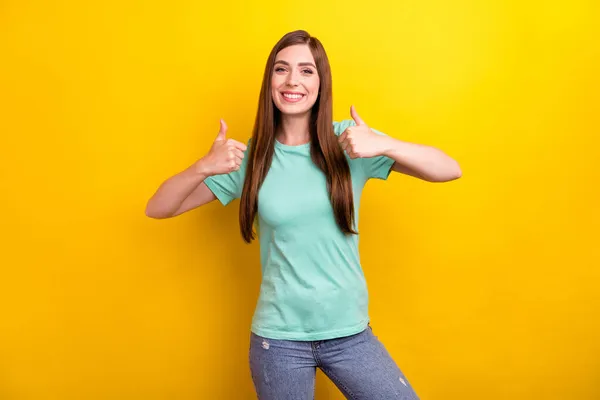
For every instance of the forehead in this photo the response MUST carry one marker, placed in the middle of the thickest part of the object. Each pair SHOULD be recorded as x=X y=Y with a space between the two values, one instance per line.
x=295 y=54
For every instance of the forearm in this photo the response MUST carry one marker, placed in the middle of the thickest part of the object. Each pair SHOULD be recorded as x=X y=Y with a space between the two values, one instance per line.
x=172 y=193
x=425 y=162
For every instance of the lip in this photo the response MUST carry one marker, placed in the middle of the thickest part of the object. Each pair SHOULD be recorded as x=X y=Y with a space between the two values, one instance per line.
x=292 y=100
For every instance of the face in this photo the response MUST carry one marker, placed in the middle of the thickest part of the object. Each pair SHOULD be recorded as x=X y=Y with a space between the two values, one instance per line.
x=294 y=80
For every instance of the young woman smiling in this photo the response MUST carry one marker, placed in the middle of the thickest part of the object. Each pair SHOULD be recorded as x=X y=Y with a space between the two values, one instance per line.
x=300 y=179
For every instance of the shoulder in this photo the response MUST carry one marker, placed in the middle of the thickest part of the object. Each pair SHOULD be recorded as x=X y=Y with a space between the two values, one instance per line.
x=340 y=126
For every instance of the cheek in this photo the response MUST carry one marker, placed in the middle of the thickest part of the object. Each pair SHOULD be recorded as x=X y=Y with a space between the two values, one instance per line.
x=315 y=88
x=274 y=88
x=275 y=82
x=278 y=79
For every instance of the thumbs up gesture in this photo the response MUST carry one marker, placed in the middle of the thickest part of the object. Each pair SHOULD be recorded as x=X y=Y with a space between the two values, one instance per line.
x=224 y=156
x=360 y=141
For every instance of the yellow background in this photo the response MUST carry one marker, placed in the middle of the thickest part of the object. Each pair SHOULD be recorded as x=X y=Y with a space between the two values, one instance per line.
x=483 y=288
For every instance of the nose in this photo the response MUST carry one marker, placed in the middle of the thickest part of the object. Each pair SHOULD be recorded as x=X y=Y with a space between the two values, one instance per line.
x=292 y=78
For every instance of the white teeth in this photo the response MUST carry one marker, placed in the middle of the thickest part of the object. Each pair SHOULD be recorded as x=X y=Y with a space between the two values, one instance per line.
x=292 y=96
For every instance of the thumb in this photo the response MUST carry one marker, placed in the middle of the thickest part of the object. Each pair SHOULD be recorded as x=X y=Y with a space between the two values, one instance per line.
x=222 y=131
x=355 y=116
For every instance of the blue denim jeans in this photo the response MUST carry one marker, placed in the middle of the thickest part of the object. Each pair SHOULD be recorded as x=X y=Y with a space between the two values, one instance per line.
x=359 y=365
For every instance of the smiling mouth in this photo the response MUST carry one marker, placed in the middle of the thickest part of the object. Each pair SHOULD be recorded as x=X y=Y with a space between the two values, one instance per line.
x=292 y=97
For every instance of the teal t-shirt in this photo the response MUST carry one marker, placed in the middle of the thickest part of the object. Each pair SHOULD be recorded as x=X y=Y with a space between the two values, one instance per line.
x=313 y=286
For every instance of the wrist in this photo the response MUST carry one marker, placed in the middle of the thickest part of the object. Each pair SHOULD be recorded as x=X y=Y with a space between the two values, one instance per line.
x=202 y=168
x=386 y=146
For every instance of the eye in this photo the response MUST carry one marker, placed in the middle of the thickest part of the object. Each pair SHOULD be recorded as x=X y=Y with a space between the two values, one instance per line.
x=307 y=71
x=279 y=69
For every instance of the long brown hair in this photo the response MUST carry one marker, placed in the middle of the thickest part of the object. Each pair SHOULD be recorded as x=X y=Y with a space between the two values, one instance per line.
x=324 y=149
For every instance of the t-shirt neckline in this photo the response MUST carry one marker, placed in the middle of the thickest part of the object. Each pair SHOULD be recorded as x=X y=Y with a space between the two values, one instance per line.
x=287 y=147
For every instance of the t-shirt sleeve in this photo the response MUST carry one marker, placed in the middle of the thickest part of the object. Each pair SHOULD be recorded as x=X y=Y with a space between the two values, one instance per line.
x=373 y=167
x=227 y=187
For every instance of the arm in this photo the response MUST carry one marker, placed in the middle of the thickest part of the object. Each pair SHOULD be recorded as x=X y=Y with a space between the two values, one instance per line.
x=187 y=190
x=420 y=161
x=180 y=193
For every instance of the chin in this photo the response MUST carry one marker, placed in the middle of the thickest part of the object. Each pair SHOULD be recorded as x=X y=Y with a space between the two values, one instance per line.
x=294 y=111
x=291 y=109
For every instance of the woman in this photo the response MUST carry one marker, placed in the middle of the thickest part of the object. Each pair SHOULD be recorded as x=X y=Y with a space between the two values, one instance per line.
x=299 y=180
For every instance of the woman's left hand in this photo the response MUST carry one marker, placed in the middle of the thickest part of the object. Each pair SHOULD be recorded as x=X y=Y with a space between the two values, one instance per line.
x=360 y=141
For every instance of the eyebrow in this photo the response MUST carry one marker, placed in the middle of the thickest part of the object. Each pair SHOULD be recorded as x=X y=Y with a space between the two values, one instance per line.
x=302 y=64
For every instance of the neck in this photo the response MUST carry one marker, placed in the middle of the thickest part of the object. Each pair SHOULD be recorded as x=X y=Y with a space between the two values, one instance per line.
x=294 y=130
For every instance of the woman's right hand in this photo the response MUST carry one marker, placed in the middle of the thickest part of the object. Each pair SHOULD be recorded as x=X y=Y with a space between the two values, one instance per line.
x=224 y=156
